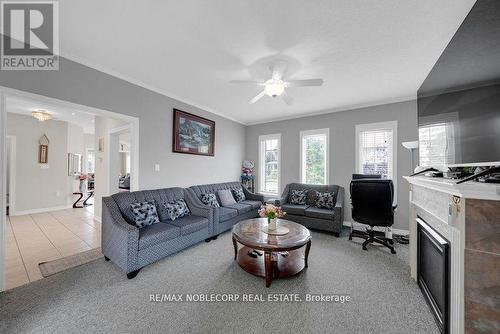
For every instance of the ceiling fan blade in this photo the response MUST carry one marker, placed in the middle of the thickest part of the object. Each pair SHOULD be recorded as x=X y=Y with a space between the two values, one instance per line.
x=257 y=98
x=249 y=82
x=278 y=69
x=287 y=98
x=307 y=82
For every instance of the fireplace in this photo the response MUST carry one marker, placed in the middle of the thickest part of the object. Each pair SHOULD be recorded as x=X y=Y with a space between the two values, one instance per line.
x=433 y=272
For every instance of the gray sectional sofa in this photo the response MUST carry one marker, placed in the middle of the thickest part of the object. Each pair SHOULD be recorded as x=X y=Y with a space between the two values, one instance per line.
x=132 y=248
x=309 y=215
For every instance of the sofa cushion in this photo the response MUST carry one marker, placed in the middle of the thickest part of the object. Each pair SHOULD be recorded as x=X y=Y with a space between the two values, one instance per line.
x=154 y=234
x=241 y=207
x=226 y=213
x=190 y=224
x=294 y=209
x=210 y=200
x=238 y=194
x=298 y=197
x=226 y=197
x=144 y=213
x=254 y=204
x=177 y=209
x=325 y=200
x=320 y=213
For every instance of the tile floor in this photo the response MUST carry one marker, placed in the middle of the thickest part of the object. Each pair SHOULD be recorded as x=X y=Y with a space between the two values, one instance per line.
x=36 y=238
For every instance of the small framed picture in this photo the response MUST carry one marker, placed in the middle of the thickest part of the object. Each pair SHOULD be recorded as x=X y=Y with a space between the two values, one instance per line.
x=101 y=144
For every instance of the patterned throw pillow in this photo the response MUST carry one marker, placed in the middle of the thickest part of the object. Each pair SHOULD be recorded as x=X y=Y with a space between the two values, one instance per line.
x=298 y=197
x=177 y=209
x=210 y=199
x=226 y=197
x=239 y=195
x=325 y=200
x=144 y=213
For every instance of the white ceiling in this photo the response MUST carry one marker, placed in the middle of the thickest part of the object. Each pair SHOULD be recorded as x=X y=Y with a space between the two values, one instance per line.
x=25 y=106
x=367 y=52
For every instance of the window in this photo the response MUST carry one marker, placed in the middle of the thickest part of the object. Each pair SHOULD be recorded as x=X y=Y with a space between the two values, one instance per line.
x=90 y=165
x=269 y=163
x=314 y=156
x=376 y=149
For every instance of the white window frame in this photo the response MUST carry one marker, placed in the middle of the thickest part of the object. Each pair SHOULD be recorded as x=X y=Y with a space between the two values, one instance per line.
x=390 y=125
x=307 y=133
x=262 y=168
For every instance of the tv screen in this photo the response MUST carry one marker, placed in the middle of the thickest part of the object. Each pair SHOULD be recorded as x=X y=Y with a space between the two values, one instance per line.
x=459 y=101
x=460 y=128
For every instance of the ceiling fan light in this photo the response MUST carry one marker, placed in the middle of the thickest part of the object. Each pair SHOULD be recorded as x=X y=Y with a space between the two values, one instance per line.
x=274 y=87
x=41 y=115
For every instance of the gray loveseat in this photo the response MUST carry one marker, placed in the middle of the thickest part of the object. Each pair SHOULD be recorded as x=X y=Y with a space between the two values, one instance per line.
x=226 y=217
x=132 y=248
x=330 y=220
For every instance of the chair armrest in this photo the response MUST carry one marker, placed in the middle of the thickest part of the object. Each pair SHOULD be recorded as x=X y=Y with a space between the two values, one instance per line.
x=198 y=208
x=120 y=240
x=253 y=196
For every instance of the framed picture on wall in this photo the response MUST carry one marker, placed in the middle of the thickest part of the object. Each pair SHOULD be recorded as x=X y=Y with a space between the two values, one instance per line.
x=193 y=134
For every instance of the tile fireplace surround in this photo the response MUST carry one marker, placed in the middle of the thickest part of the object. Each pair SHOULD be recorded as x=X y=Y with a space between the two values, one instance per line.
x=468 y=216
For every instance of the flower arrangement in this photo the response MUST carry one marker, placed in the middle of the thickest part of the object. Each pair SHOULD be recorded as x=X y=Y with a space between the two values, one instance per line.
x=271 y=212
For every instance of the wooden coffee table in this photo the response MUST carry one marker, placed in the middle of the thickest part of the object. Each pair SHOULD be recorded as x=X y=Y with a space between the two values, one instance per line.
x=275 y=256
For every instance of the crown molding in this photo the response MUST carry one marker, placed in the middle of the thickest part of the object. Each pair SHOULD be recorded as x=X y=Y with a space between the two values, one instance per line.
x=141 y=84
x=339 y=109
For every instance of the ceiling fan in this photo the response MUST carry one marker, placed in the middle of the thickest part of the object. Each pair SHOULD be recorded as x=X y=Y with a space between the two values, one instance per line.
x=276 y=85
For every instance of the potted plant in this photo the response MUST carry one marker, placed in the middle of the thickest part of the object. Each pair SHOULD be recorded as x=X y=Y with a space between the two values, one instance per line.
x=272 y=213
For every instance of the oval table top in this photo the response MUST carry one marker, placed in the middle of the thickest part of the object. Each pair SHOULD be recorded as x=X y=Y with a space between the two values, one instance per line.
x=249 y=233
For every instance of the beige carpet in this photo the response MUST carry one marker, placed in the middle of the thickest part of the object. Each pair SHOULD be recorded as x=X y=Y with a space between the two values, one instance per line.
x=53 y=267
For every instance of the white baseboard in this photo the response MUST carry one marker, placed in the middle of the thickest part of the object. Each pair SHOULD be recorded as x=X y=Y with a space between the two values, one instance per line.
x=42 y=210
x=396 y=231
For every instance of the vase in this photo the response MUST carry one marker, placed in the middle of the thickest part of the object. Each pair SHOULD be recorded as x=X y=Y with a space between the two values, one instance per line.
x=272 y=224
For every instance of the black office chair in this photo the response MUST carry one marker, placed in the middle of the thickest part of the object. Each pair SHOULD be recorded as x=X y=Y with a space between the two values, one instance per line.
x=372 y=204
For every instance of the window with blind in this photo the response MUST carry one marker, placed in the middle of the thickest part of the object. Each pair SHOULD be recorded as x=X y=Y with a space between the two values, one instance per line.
x=375 y=149
x=269 y=163
x=314 y=156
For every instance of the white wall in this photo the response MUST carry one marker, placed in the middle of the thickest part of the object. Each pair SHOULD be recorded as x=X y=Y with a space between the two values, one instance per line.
x=39 y=187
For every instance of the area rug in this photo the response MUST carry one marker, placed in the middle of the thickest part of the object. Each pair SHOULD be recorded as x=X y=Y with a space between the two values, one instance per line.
x=53 y=267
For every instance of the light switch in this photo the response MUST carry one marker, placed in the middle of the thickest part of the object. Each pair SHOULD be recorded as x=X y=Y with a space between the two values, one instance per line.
x=157 y=167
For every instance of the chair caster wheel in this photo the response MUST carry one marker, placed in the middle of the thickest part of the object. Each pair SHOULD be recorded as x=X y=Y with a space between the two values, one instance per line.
x=393 y=251
x=390 y=241
x=350 y=237
x=364 y=248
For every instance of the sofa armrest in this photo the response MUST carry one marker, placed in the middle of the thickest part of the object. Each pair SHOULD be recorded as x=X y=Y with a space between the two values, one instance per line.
x=119 y=240
x=339 y=206
x=252 y=196
x=198 y=208
x=284 y=196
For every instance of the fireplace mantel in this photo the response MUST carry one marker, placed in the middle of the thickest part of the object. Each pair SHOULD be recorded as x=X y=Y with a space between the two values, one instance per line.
x=459 y=212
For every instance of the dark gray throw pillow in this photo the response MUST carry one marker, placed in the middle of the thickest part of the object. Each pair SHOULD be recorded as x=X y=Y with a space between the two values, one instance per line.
x=298 y=197
x=144 y=213
x=239 y=195
x=210 y=199
x=177 y=209
x=325 y=200
x=226 y=197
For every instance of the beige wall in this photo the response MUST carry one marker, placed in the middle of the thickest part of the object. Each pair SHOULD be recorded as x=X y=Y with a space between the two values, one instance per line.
x=39 y=186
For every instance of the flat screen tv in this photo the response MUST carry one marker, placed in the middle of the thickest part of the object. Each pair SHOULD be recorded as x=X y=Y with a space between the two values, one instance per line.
x=459 y=101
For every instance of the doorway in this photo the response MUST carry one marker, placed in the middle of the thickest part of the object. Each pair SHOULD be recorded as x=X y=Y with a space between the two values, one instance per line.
x=60 y=230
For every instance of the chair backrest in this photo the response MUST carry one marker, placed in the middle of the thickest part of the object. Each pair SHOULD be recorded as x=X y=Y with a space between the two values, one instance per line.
x=366 y=176
x=372 y=201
